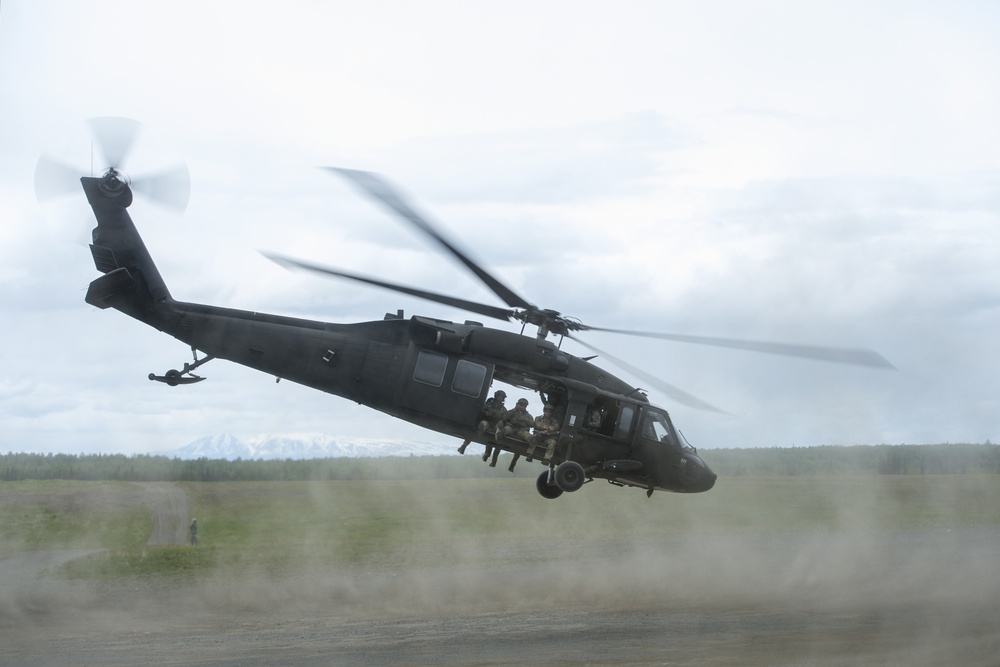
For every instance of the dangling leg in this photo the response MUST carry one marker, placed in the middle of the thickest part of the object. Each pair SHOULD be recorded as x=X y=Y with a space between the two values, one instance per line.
x=530 y=447
x=550 y=450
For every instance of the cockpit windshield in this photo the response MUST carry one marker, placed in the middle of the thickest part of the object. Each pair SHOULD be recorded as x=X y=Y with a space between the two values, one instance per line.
x=685 y=445
x=656 y=426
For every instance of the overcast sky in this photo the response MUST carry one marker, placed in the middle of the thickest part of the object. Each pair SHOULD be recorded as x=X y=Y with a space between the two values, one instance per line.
x=824 y=173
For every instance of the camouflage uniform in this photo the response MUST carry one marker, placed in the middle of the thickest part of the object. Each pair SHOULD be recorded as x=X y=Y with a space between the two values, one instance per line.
x=516 y=423
x=547 y=432
x=492 y=412
x=490 y=415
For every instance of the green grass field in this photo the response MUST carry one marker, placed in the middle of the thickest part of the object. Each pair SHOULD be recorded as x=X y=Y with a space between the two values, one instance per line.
x=280 y=527
x=55 y=514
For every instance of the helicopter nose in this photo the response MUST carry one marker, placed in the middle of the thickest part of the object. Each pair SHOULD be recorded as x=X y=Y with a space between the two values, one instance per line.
x=698 y=476
x=708 y=482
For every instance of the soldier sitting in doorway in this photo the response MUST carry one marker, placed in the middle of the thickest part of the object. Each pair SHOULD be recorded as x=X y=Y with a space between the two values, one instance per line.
x=546 y=432
x=516 y=423
x=489 y=419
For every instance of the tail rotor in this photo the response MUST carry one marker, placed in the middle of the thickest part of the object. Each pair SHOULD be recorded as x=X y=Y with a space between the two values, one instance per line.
x=115 y=138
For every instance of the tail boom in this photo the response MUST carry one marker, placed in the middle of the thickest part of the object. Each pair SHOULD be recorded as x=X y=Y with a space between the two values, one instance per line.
x=131 y=282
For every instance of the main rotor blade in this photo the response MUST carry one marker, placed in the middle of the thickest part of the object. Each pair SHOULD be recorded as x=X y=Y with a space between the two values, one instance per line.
x=471 y=306
x=115 y=136
x=171 y=188
x=375 y=187
x=54 y=179
x=837 y=355
x=670 y=390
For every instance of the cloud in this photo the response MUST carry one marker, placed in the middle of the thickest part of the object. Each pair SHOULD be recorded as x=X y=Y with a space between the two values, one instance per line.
x=551 y=166
x=649 y=168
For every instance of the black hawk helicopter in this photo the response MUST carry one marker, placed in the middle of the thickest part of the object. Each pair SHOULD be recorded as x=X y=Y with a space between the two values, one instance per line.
x=430 y=372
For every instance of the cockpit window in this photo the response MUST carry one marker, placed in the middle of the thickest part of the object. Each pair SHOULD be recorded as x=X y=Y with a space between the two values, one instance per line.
x=685 y=445
x=656 y=426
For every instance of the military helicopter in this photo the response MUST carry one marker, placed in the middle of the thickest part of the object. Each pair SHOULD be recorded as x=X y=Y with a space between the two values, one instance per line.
x=430 y=372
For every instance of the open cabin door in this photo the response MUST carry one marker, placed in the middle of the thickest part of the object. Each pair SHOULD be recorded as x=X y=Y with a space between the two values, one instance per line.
x=448 y=386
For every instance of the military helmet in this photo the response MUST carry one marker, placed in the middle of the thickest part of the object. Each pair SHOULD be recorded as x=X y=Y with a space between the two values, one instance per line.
x=548 y=406
x=500 y=394
x=522 y=401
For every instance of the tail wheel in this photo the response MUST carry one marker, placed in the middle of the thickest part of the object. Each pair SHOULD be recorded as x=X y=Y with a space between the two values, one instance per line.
x=569 y=476
x=550 y=491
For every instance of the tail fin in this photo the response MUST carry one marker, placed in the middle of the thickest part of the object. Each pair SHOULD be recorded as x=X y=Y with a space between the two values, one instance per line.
x=132 y=283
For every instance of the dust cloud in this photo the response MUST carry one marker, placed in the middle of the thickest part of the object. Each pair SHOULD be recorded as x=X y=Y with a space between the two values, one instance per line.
x=487 y=571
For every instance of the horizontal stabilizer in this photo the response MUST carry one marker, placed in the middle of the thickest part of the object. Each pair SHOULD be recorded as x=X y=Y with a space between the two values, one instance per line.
x=116 y=283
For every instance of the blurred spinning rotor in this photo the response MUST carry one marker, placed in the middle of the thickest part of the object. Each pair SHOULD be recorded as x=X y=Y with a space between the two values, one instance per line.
x=115 y=138
x=551 y=321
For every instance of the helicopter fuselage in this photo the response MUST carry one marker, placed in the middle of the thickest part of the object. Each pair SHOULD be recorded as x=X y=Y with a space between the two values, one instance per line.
x=432 y=373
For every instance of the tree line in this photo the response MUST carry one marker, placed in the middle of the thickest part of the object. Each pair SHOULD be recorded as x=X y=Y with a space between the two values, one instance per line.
x=146 y=468
x=950 y=459
x=944 y=459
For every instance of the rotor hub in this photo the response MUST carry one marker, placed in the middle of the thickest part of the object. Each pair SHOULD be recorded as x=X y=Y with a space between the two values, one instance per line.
x=114 y=183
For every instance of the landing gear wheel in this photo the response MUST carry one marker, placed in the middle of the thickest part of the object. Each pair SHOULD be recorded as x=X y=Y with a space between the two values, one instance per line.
x=172 y=377
x=550 y=491
x=569 y=476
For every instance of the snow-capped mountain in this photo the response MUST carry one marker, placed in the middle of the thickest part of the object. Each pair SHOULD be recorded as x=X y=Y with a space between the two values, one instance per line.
x=302 y=446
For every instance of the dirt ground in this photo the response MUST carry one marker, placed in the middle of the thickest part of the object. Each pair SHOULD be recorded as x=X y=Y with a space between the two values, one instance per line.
x=919 y=597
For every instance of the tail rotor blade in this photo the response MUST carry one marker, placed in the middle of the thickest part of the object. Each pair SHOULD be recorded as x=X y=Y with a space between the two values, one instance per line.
x=115 y=137
x=54 y=179
x=171 y=188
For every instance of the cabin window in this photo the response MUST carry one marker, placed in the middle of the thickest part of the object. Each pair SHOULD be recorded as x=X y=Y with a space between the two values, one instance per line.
x=430 y=368
x=625 y=422
x=469 y=378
